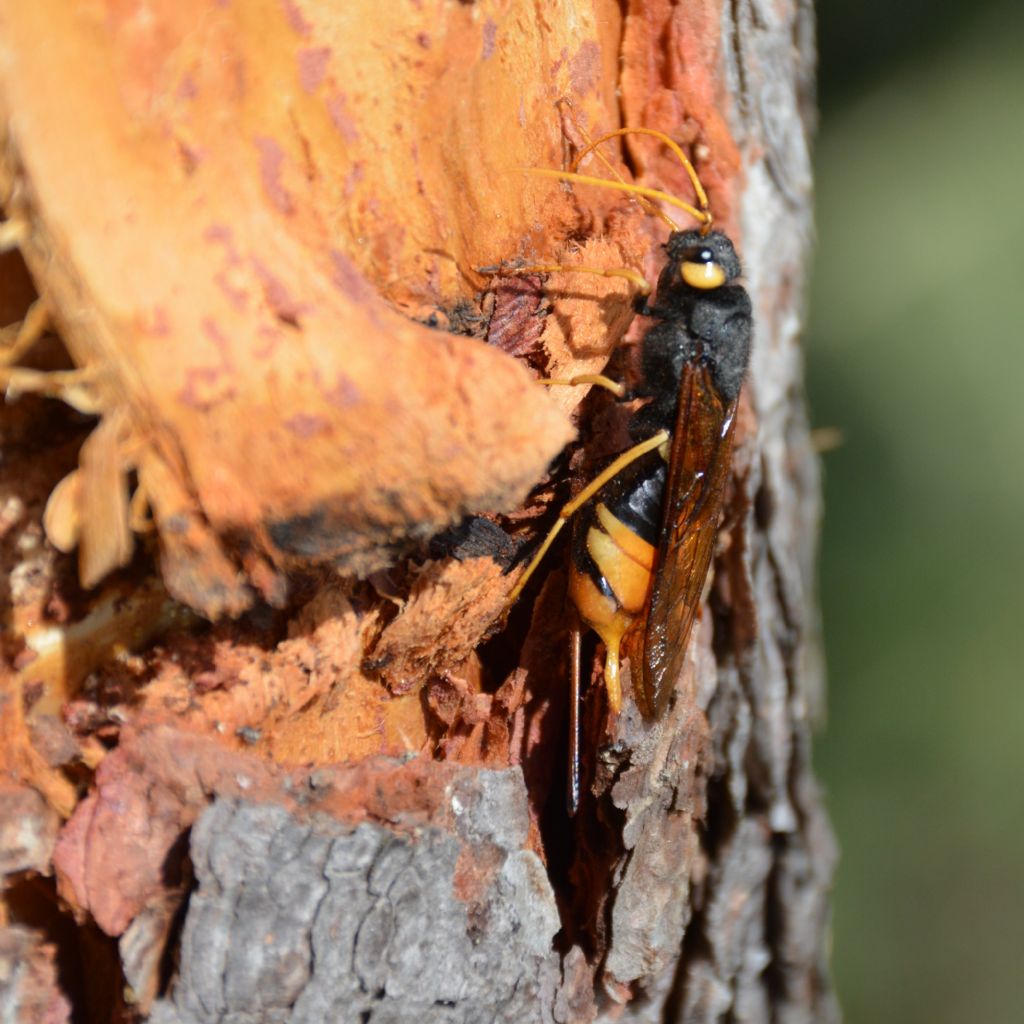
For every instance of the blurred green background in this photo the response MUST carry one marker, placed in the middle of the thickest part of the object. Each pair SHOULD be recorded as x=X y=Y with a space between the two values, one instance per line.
x=916 y=351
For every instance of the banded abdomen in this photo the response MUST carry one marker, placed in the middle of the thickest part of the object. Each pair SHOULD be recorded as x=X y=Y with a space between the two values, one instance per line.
x=615 y=537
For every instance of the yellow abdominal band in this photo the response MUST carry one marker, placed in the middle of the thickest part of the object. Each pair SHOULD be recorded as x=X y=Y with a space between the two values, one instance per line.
x=624 y=560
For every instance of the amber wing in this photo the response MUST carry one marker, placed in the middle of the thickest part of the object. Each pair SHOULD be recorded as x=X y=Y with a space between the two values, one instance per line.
x=697 y=476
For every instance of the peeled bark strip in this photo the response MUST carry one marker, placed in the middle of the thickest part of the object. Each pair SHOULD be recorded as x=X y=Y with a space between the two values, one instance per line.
x=258 y=229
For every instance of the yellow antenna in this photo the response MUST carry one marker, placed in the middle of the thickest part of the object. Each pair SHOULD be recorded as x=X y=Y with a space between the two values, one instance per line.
x=591 y=147
x=698 y=188
x=637 y=190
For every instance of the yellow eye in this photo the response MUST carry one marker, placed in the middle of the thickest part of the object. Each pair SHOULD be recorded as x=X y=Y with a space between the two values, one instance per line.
x=702 y=275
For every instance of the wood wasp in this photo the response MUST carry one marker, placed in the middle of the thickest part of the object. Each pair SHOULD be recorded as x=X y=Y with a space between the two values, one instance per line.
x=644 y=528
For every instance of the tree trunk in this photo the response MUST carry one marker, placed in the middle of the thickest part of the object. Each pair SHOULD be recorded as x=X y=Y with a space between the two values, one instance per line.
x=258 y=230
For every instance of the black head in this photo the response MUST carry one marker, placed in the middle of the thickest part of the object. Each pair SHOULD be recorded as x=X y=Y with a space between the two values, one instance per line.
x=703 y=261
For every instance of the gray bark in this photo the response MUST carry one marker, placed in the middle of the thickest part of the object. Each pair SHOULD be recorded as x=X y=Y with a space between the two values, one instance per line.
x=320 y=921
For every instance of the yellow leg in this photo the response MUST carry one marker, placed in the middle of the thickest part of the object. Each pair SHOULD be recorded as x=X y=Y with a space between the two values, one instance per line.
x=616 y=467
x=640 y=282
x=589 y=378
